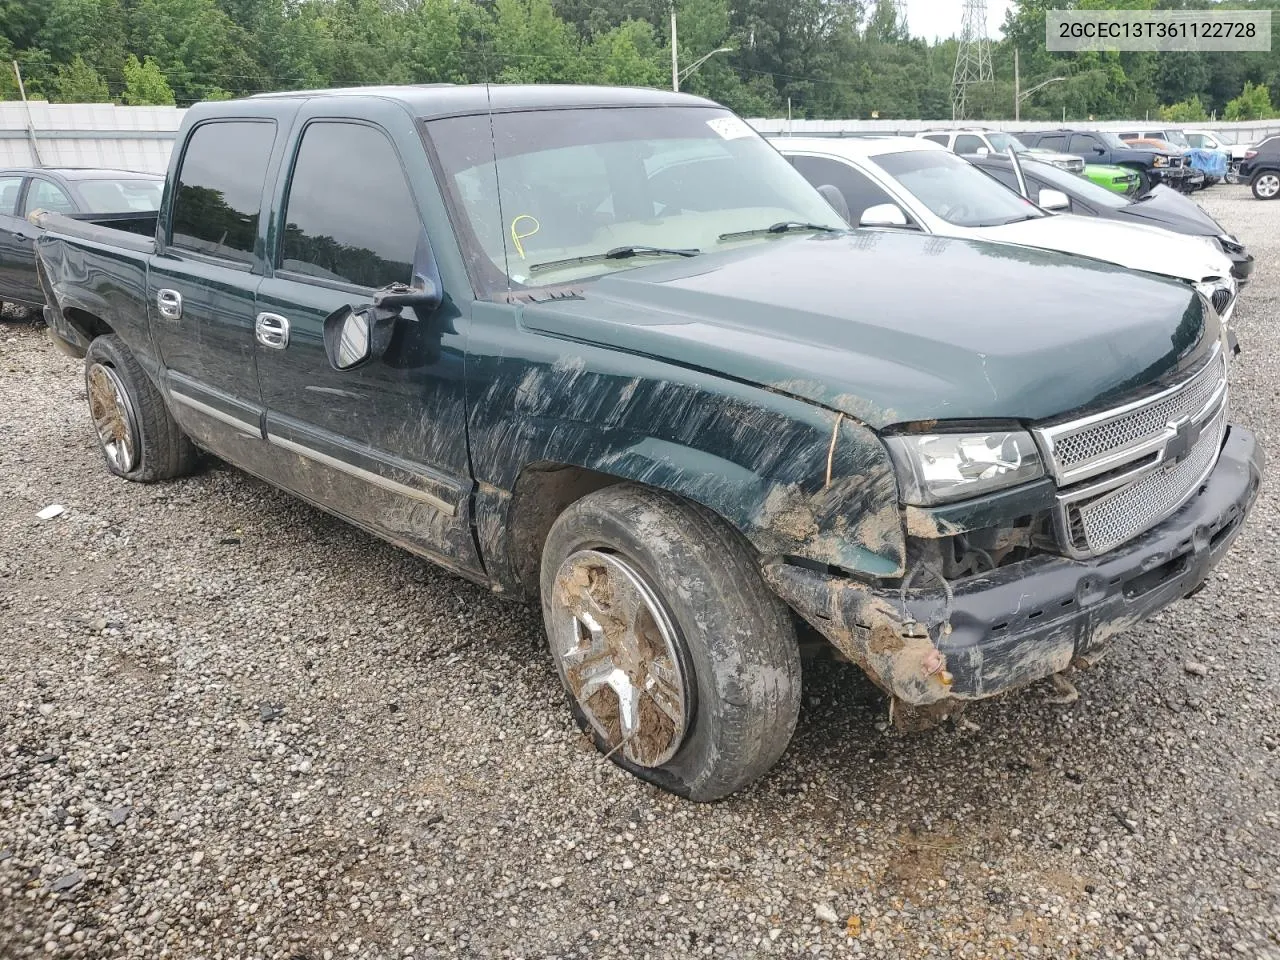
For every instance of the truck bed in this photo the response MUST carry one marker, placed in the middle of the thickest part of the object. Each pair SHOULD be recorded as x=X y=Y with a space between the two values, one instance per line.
x=132 y=231
x=93 y=270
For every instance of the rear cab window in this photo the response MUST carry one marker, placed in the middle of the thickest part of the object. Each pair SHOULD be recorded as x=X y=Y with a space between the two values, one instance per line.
x=217 y=199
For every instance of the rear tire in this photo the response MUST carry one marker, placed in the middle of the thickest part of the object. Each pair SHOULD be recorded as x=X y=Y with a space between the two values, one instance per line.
x=659 y=623
x=1266 y=185
x=138 y=437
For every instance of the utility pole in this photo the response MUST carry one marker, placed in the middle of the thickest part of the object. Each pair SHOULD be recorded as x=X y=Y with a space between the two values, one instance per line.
x=675 y=54
x=31 y=126
x=1017 y=100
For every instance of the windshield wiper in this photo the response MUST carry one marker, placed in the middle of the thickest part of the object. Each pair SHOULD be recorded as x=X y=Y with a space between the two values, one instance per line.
x=783 y=226
x=617 y=253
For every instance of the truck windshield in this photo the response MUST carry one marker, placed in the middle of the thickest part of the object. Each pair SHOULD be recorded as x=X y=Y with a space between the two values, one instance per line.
x=955 y=190
x=120 y=196
x=1001 y=142
x=559 y=189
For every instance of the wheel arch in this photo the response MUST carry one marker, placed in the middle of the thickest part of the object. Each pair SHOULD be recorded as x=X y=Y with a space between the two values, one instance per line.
x=819 y=491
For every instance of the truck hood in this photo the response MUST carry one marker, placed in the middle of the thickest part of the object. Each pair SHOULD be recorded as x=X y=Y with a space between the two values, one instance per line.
x=1133 y=245
x=893 y=327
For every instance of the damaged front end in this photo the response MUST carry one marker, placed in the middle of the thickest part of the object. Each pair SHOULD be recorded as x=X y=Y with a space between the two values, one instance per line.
x=985 y=608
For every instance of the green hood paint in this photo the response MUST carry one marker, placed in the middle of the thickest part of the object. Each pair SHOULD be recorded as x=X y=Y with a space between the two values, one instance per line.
x=893 y=327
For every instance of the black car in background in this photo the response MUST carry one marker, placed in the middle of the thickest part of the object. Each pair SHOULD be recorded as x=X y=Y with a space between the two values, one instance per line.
x=1260 y=168
x=1160 y=207
x=1101 y=146
x=127 y=199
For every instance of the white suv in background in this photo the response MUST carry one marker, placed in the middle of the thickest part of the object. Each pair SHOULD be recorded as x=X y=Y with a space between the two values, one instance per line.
x=996 y=141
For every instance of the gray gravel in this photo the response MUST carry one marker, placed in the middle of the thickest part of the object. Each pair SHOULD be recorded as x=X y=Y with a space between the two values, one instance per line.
x=231 y=726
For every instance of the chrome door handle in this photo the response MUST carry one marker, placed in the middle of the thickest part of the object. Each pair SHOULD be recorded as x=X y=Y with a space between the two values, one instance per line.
x=272 y=330
x=169 y=303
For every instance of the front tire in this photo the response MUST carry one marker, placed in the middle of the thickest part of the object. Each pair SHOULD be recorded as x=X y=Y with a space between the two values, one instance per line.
x=1266 y=185
x=138 y=437
x=679 y=662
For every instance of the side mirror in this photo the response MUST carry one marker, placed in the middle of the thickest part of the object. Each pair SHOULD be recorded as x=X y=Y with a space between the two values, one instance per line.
x=1054 y=200
x=836 y=199
x=982 y=151
x=883 y=215
x=1099 y=151
x=355 y=335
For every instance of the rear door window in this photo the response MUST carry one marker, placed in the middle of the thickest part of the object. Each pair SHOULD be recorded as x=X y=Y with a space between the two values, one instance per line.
x=1051 y=141
x=44 y=195
x=219 y=194
x=1083 y=144
x=941 y=138
x=366 y=237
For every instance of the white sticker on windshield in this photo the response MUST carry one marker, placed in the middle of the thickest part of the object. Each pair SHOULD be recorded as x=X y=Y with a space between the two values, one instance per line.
x=731 y=128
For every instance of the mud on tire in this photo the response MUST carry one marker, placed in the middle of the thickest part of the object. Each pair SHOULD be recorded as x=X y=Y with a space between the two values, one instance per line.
x=716 y=705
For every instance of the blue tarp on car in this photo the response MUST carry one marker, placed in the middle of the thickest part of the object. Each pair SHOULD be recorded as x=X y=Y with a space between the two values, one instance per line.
x=1212 y=163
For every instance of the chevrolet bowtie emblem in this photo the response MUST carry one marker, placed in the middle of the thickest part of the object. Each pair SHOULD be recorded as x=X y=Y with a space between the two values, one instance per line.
x=1185 y=435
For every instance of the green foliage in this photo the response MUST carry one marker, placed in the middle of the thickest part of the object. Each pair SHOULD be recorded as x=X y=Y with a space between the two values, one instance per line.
x=1254 y=103
x=78 y=82
x=1185 y=111
x=813 y=58
x=145 y=84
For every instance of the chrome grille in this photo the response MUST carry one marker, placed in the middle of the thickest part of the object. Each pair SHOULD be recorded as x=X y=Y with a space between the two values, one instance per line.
x=1221 y=300
x=1124 y=470
x=1090 y=446
x=1112 y=518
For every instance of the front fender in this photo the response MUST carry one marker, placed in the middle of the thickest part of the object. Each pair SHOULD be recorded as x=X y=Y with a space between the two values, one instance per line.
x=795 y=479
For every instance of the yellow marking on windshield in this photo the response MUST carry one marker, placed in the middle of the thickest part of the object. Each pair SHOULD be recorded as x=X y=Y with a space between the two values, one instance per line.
x=517 y=237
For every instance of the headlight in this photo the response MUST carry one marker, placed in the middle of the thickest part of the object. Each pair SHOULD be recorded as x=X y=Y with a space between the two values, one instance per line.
x=1160 y=162
x=1229 y=243
x=940 y=467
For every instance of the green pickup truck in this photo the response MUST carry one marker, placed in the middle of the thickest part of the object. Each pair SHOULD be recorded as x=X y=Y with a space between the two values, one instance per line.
x=605 y=348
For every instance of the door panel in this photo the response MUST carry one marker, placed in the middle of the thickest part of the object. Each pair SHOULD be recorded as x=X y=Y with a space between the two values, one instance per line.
x=207 y=278
x=383 y=445
x=17 y=251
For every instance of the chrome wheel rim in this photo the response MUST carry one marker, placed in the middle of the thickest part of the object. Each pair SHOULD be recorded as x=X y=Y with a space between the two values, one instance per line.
x=616 y=648
x=113 y=417
x=1268 y=185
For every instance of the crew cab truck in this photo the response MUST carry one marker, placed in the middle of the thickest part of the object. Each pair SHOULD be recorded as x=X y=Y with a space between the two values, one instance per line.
x=606 y=349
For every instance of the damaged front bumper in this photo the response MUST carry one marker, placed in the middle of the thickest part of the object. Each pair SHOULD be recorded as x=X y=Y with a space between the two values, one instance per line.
x=995 y=631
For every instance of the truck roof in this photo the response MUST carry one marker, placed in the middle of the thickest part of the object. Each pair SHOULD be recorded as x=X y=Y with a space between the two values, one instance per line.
x=443 y=99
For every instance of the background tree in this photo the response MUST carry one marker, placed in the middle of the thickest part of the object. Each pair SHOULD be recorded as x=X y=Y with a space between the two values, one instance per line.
x=78 y=82
x=145 y=84
x=1254 y=103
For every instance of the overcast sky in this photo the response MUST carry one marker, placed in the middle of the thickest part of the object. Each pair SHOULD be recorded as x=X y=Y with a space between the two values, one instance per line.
x=941 y=18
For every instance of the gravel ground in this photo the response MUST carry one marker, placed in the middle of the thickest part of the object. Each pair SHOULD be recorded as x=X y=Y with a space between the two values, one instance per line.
x=234 y=727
